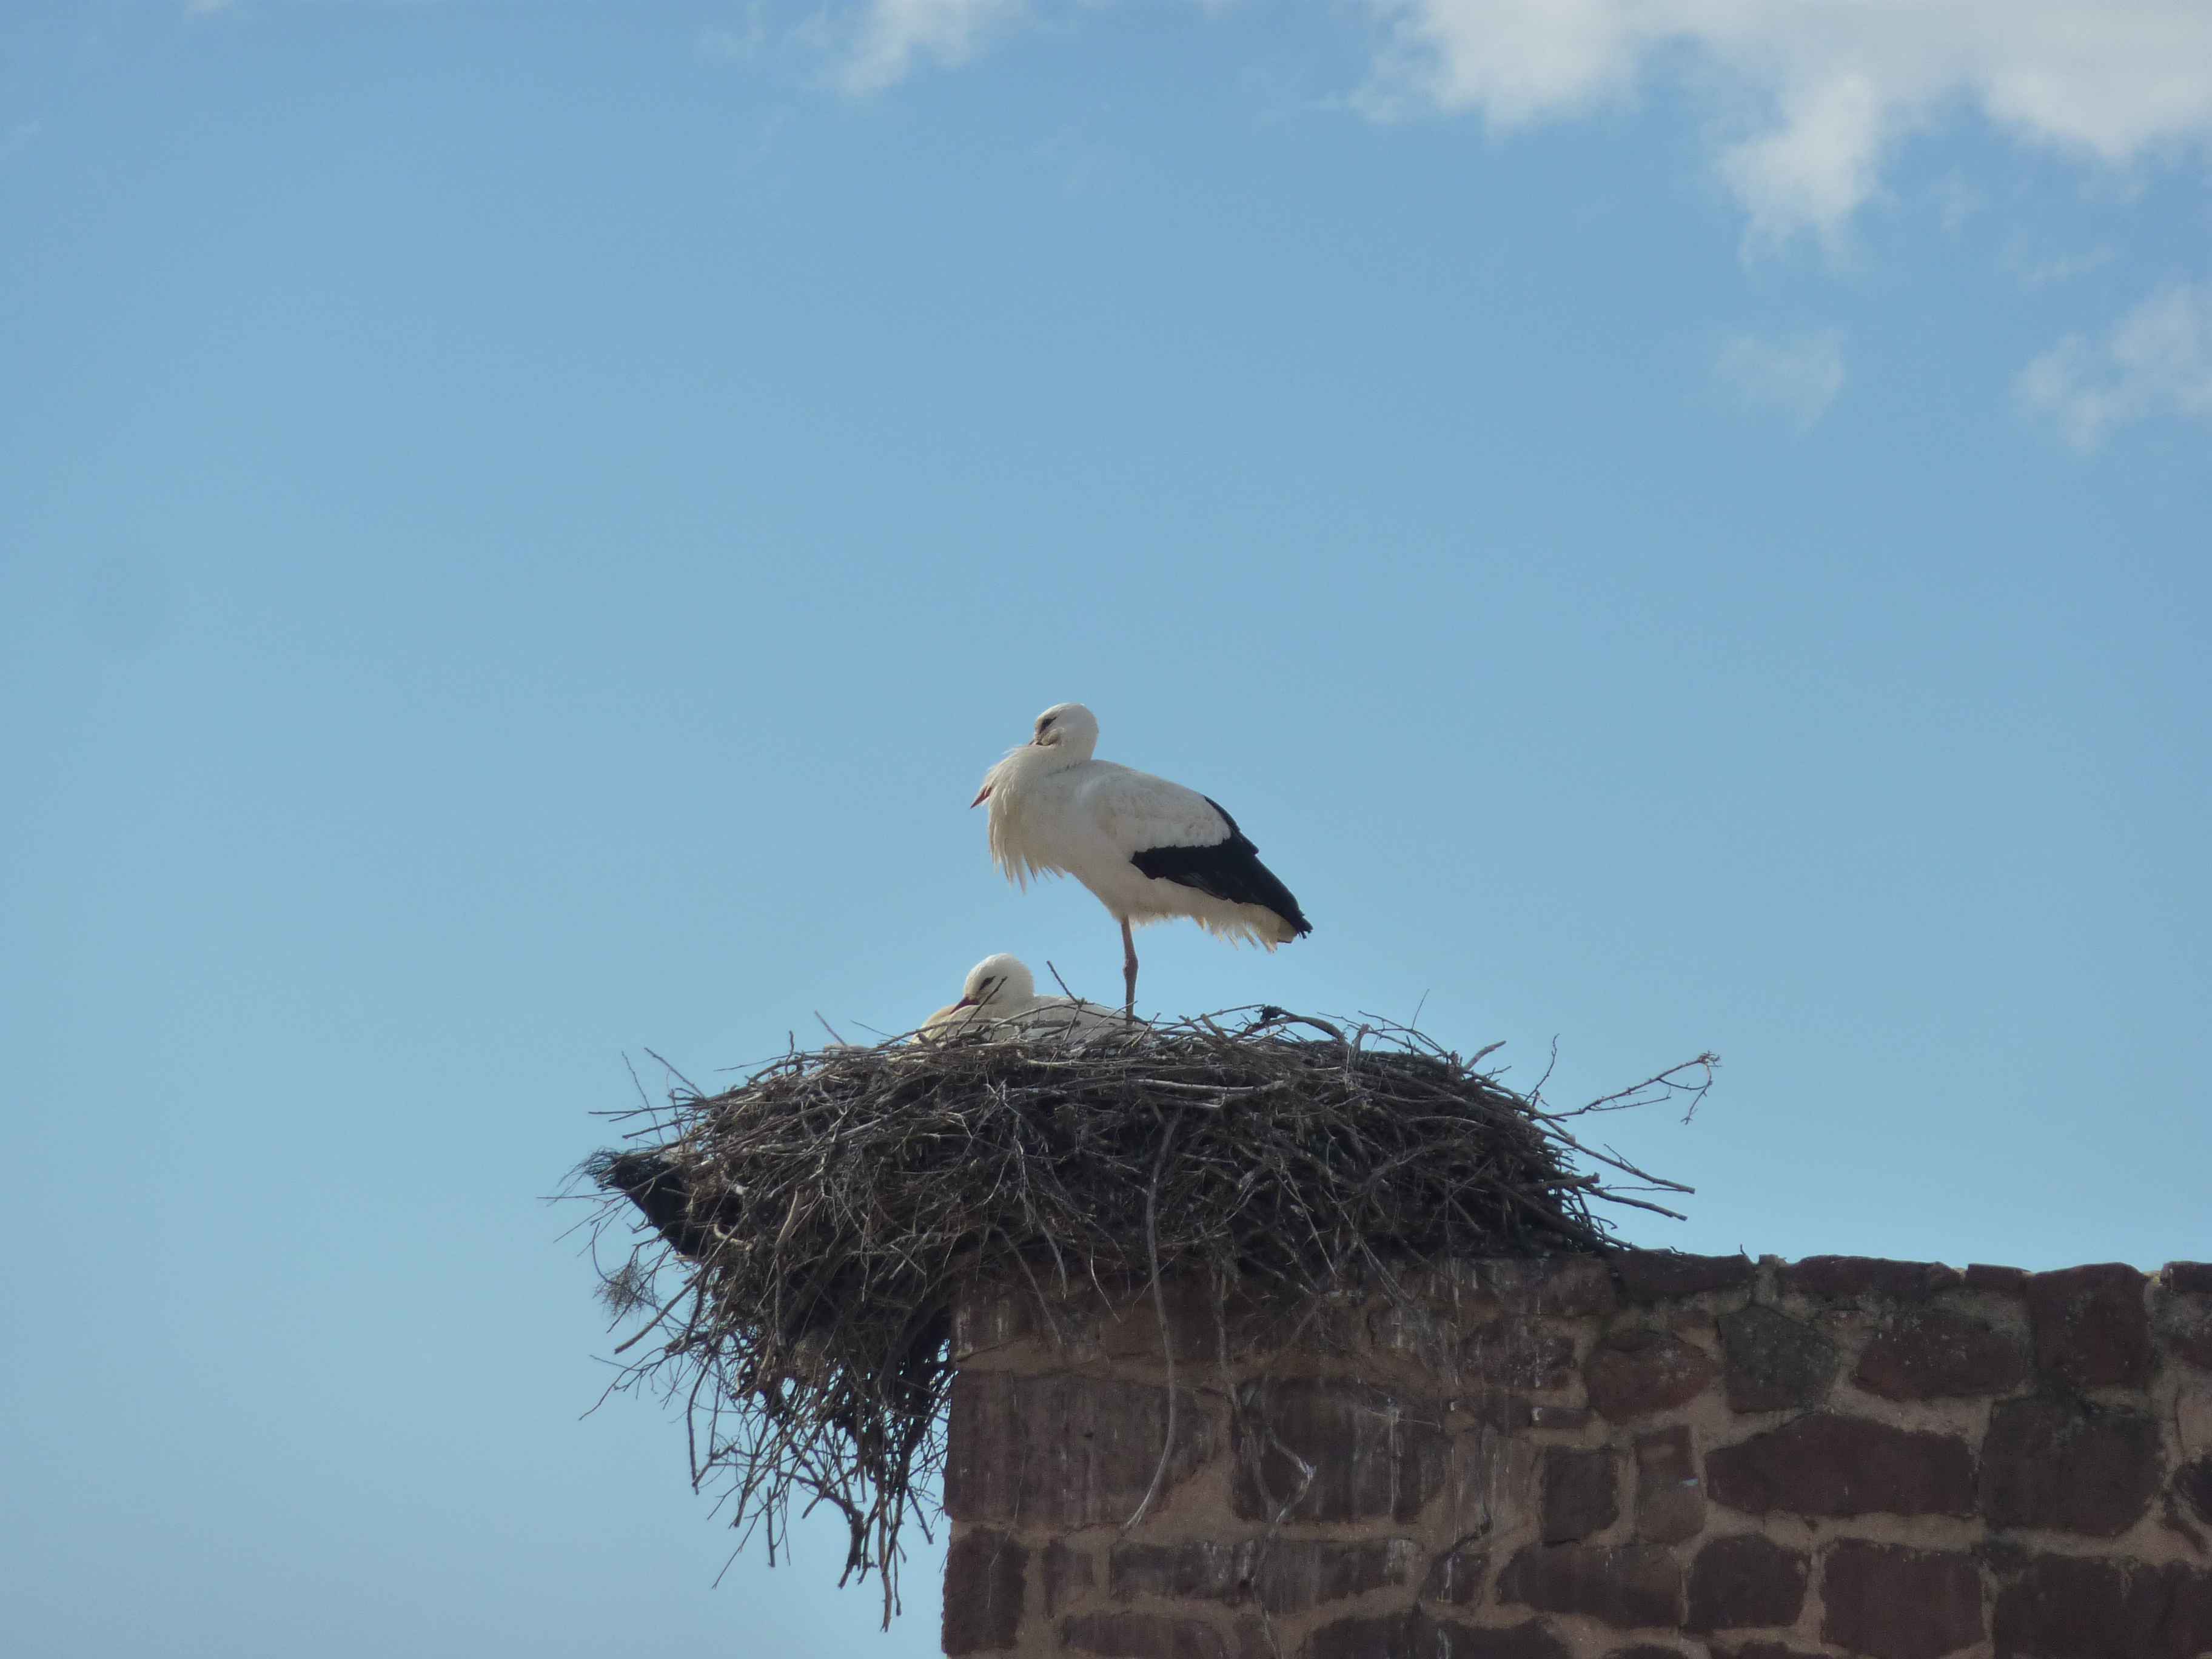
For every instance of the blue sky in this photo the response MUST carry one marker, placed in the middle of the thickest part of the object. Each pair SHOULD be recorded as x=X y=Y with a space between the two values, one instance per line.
x=520 y=526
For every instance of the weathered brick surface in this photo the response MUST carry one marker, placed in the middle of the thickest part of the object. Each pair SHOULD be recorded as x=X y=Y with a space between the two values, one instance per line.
x=1894 y=1603
x=2067 y=1608
x=1372 y=1453
x=1671 y=1499
x=1927 y=1353
x=1634 y=1373
x=1650 y=1276
x=1746 y=1581
x=1625 y=1585
x=2091 y=1328
x=1513 y=1356
x=1580 y=1495
x=1775 y=1362
x=1458 y=1518
x=1840 y=1278
x=1831 y=1465
x=1456 y=1577
x=1062 y=1450
x=1068 y=1573
x=2185 y=1329
x=983 y=1581
x=2192 y=1485
x=1161 y=1636
x=2058 y=1463
x=1416 y=1635
x=2187 y=1277
x=1283 y=1575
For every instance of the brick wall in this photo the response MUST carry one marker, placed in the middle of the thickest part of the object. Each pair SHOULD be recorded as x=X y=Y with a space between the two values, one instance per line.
x=1649 y=1456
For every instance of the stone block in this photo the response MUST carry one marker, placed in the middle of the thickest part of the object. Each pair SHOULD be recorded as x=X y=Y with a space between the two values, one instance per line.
x=1633 y=1373
x=1567 y=1419
x=1284 y=1575
x=2064 y=1465
x=1456 y=1577
x=1927 y=1353
x=2061 y=1606
x=1671 y=1499
x=1775 y=1363
x=2090 y=1325
x=983 y=1578
x=1625 y=1585
x=1850 y=1278
x=1648 y=1276
x=1580 y=1495
x=1335 y=1451
x=1746 y=1581
x=1417 y=1635
x=1831 y=1465
x=1160 y=1636
x=1996 y=1281
x=1893 y=1603
x=1062 y=1451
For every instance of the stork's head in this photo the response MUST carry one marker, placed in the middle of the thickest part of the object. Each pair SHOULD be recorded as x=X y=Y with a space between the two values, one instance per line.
x=1064 y=736
x=1069 y=729
x=1001 y=979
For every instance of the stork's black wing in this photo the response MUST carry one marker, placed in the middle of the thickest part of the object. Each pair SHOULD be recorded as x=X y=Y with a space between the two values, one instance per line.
x=1228 y=870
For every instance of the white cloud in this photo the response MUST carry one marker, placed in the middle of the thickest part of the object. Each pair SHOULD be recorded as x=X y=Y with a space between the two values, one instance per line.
x=1835 y=83
x=2157 y=360
x=1795 y=375
x=894 y=34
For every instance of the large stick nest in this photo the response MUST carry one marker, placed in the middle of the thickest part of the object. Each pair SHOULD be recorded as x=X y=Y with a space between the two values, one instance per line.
x=812 y=1225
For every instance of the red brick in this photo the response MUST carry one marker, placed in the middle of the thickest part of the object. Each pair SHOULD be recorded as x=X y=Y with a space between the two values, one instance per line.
x=1062 y=1451
x=1926 y=1353
x=1626 y=1585
x=2187 y=1277
x=1671 y=1499
x=2192 y=1485
x=1894 y=1603
x=2067 y=1608
x=1579 y=1493
x=1746 y=1581
x=983 y=1574
x=2185 y=1329
x=2091 y=1329
x=2059 y=1464
x=1830 y=1465
x=1516 y=1356
x=1283 y=1575
x=1633 y=1373
x=1157 y=1635
x=1416 y=1635
x=1456 y=1577
x=1068 y=1574
x=1775 y=1363
x=1841 y=1277
x=1648 y=1276
x=1372 y=1454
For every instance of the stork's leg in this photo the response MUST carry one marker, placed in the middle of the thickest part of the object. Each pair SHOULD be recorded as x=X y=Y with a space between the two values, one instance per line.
x=1128 y=973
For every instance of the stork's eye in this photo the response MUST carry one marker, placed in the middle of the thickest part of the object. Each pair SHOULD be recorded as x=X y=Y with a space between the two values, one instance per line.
x=1045 y=725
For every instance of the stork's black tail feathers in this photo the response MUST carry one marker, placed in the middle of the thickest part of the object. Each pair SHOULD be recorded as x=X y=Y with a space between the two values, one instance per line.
x=1228 y=870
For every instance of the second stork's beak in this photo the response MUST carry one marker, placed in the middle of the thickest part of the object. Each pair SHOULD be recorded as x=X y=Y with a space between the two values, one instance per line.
x=967 y=1002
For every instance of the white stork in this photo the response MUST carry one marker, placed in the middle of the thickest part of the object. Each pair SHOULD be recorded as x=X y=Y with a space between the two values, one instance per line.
x=1001 y=990
x=1147 y=848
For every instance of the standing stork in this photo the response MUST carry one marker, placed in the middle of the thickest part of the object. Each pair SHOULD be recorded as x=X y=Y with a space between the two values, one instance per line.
x=1148 y=849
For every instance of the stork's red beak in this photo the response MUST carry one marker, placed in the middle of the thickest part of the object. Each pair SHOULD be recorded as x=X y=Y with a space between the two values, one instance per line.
x=967 y=1002
x=981 y=795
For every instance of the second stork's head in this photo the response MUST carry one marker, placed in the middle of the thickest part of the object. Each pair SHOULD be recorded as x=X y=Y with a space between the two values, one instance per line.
x=1001 y=981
